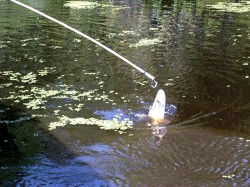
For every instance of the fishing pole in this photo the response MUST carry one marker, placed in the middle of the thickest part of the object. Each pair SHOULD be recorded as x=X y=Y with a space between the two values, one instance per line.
x=154 y=84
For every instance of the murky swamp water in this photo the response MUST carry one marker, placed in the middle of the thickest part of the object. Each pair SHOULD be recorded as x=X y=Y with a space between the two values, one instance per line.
x=58 y=92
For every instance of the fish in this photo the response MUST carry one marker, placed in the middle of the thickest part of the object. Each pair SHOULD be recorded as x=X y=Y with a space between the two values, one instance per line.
x=157 y=110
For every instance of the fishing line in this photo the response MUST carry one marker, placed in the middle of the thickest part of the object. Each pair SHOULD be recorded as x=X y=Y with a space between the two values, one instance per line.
x=154 y=84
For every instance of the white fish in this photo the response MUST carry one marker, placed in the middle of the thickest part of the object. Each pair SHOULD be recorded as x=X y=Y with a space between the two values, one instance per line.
x=157 y=110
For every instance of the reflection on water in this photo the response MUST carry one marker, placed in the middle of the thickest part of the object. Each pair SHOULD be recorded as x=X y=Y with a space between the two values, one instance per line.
x=200 y=57
x=159 y=132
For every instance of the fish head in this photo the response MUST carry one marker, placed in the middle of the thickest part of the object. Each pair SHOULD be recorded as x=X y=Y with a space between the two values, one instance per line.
x=157 y=110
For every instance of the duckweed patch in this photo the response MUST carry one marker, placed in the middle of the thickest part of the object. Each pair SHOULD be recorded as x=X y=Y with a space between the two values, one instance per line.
x=132 y=33
x=59 y=99
x=114 y=124
x=29 y=78
x=228 y=176
x=242 y=7
x=4 y=44
x=5 y=85
x=146 y=42
x=89 y=5
x=81 y=4
x=142 y=83
x=29 y=39
x=46 y=71
x=21 y=119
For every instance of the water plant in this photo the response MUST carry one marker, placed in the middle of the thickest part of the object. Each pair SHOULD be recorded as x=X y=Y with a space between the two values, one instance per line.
x=241 y=7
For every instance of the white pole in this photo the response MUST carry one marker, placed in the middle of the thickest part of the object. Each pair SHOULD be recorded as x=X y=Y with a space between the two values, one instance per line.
x=88 y=38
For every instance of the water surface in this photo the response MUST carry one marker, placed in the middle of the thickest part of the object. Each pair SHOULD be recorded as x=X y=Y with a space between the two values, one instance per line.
x=199 y=56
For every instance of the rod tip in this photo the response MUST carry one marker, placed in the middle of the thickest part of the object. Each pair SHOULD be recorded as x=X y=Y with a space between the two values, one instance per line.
x=154 y=84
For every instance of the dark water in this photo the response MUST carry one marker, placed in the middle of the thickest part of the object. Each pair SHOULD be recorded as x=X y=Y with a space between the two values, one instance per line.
x=201 y=59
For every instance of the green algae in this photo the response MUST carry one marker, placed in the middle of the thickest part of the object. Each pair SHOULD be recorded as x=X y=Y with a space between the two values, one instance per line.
x=228 y=176
x=142 y=83
x=132 y=33
x=5 y=85
x=81 y=4
x=29 y=78
x=241 y=7
x=114 y=124
x=36 y=98
x=146 y=42
x=46 y=71
x=19 y=120
x=4 y=44
x=89 y=5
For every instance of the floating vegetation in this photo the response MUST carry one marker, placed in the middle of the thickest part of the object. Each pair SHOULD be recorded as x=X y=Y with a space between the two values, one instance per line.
x=141 y=83
x=29 y=39
x=153 y=29
x=81 y=4
x=77 y=40
x=241 y=7
x=146 y=42
x=228 y=176
x=29 y=78
x=39 y=98
x=133 y=33
x=46 y=71
x=55 y=47
x=15 y=121
x=89 y=5
x=4 y=44
x=169 y=84
x=114 y=124
x=25 y=41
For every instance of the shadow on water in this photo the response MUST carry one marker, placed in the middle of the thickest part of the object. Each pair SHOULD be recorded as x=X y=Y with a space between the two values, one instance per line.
x=9 y=151
x=32 y=156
